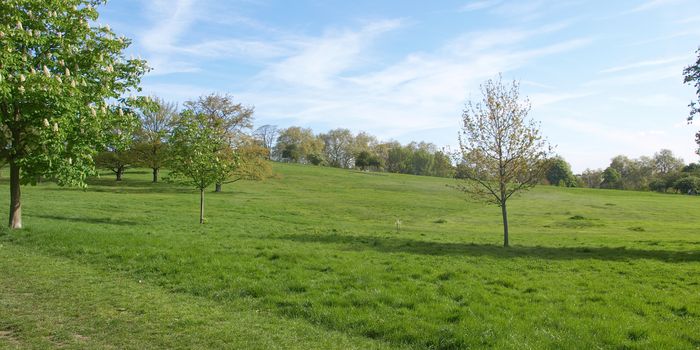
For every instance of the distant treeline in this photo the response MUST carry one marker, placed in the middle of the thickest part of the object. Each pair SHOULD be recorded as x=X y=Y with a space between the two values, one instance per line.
x=662 y=172
x=341 y=148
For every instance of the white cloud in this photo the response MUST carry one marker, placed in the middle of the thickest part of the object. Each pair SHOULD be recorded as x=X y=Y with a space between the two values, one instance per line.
x=647 y=63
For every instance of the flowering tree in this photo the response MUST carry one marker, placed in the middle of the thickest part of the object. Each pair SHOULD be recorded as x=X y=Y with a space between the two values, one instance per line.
x=62 y=86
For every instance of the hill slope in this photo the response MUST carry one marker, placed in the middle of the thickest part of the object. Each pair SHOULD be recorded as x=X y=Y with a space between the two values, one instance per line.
x=312 y=259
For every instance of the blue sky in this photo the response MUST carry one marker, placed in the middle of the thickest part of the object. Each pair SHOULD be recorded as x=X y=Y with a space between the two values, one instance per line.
x=604 y=77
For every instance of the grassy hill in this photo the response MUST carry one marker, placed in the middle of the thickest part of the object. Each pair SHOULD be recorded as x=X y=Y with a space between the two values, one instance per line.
x=312 y=259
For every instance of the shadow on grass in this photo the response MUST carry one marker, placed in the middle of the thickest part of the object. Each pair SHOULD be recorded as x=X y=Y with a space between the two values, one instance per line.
x=404 y=245
x=99 y=221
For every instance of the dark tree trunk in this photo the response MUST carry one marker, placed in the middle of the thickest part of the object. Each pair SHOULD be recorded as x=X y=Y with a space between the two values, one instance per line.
x=155 y=174
x=201 y=205
x=15 y=221
x=120 y=172
x=504 y=211
x=218 y=187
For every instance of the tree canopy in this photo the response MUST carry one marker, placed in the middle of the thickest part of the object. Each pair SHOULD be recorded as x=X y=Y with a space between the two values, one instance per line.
x=63 y=82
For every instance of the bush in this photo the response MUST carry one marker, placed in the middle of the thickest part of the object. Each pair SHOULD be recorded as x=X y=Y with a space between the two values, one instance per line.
x=688 y=184
x=658 y=185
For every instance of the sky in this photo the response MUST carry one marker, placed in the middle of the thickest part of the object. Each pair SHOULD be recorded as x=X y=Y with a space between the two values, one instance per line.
x=604 y=77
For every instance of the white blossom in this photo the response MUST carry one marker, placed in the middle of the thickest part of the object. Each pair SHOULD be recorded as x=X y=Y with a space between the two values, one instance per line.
x=46 y=123
x=22 y=78
x=46 y=71
x=72 y=82
x=19 y=25
x=58 y=78
x=67 y=72
x=70 y=161
x=93 y=111
x=55 y=127
x=121 y=112
x=21 y=89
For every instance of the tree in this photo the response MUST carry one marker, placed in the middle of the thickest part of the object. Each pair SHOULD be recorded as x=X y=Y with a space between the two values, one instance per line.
x=58 y=76
x=503 y=151
x=267 y=135
x=150 y=148
x=688 y=184
x=691 y=75
x=232 y=120
x=664 y=163
x=115 y=160
x=363 y=160
x=558 y=172
x=592 y=178
x=199 y=154
x=299 y=145
x=253 y=163
x=611 y=179
x=338 y=147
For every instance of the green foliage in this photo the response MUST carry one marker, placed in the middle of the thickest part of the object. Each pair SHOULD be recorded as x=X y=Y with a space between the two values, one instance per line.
x=199 y=152
x=688 y=184
x=558 y=172
x=116 y=161
x=611 y=179
x=58 y=79
x=297 y=144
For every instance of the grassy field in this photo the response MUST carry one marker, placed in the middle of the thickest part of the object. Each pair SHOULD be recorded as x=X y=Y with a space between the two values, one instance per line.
x=312 y=259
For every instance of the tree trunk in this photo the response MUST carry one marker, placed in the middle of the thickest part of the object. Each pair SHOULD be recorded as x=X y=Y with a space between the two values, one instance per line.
x=120 y=171
x=15 y=221
x=504 y=211
x=218 y=187
x=155 y=175
x=201 y=205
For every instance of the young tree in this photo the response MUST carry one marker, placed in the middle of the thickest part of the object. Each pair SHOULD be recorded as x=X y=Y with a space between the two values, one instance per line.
x=503 y=152
x=57 y=74
x=199 y=154
x=232 y=120
x=150 y=148
x=691 y=75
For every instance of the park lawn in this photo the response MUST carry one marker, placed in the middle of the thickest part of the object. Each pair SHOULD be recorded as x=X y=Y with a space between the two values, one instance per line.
x=313 y=259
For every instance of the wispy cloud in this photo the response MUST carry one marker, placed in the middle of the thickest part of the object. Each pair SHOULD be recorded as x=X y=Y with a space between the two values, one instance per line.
x=652 y=4
x=646 y=63
x=479 y=5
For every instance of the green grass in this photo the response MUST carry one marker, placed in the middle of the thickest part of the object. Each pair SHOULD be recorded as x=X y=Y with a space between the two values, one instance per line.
x=312 y=259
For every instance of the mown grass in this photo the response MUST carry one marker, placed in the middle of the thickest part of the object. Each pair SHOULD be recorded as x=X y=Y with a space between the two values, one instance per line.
x=312 y=258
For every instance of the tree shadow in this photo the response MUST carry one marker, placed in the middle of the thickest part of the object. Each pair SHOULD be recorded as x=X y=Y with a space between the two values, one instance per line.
x=405 y=245
x=99 y=221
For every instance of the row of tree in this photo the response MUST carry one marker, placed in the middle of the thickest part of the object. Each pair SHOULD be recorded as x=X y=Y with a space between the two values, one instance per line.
x=662 y=172
x=341 y=148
